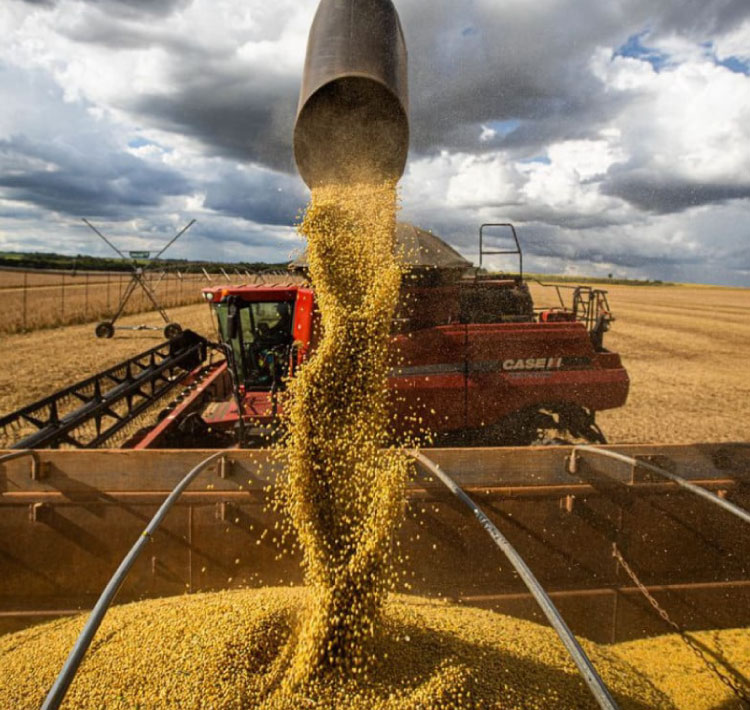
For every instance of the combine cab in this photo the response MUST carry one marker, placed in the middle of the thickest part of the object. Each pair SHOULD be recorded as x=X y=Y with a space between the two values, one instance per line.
x=477 y=363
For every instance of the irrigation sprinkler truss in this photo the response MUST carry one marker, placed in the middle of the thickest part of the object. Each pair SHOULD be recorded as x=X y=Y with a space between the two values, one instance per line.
x=106 y=329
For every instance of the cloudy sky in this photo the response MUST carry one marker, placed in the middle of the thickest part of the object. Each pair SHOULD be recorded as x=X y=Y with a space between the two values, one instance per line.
x=615 y=135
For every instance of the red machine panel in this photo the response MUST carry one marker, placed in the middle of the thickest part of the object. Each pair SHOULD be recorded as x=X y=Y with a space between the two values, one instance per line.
x=303 y=317
x=429 y=381
x=515 y=366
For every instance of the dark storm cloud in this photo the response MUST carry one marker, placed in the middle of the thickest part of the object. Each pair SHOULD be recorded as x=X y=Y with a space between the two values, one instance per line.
x=700 y=19
x=662 y=195
x=738 y=258
x=10 y=211
x=66 y=160
x=257 y=195
x=126 y=8
x=478 y=62
x=101 y=28
x=238 y=109
x=569 y=245
x=245 y=117
x=473 y=64
x=220 y=232
x=80 y=183
x=470 y=64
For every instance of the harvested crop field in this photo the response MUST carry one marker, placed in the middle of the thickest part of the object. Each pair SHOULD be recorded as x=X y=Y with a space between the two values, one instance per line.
x=37 y=364
x=33 y=300
x=684 y=347
x=43 y=299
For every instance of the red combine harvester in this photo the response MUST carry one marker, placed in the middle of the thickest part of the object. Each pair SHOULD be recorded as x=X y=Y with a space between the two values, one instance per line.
x=478 y=364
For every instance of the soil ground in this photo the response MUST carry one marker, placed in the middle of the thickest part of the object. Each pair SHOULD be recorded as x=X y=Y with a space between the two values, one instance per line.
x=39 y=363
x=685 y=349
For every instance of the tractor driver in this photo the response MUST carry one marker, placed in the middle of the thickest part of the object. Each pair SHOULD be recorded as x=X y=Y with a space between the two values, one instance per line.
x=272 y=341
x=281 y=332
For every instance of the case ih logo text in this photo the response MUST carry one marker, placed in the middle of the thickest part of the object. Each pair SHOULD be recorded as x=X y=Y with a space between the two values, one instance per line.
x=533 y=363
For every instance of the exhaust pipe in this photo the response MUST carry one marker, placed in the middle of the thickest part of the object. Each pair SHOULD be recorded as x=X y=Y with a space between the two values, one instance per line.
x=352 y=123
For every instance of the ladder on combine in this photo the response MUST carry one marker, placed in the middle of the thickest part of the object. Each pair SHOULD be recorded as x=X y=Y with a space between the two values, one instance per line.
x=91 y=412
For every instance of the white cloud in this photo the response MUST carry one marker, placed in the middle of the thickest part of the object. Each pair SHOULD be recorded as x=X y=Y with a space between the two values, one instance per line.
x=612 y=159
x=689 y=122
x=487 y=134
x=566 y=183
x=735 y=43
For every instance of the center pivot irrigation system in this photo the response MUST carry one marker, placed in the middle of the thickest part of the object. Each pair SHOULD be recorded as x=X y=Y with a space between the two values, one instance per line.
x=106 y=329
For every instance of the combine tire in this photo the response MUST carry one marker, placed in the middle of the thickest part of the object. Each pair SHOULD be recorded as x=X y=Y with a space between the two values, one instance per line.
x=172 y=331
x=104 y=330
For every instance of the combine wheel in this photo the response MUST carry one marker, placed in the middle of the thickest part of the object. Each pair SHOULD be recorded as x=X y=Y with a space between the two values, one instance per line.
x=571 y=424
x=105 y=329
x=172 y=331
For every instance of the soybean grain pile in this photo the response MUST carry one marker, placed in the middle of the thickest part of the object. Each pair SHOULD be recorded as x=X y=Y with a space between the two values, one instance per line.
x=225 y=651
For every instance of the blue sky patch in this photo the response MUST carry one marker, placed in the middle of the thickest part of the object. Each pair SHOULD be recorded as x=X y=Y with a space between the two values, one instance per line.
x=736 y=65
x=634 y=47
x=504 y=128
x=542 y=159
x=139 y=142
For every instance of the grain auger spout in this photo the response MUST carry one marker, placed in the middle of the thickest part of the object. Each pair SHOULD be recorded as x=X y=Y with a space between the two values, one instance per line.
x=352 y=122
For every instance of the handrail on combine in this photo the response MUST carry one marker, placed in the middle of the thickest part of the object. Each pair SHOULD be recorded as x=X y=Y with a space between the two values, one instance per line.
x=735 y=510
x=60 y=687
x=593 y=680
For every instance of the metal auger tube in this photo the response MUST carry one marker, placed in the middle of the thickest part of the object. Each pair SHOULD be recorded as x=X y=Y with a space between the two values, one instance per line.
x=592 y=679
x=60 y=687
x=352 y=121
x=735 y=510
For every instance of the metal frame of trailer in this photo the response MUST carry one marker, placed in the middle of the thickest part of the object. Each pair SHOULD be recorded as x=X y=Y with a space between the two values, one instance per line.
x=68 y=517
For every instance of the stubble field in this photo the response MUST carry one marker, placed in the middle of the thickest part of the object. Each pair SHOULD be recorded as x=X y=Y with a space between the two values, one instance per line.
x=31 y=300
x=39 y=363
x=685 y=348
